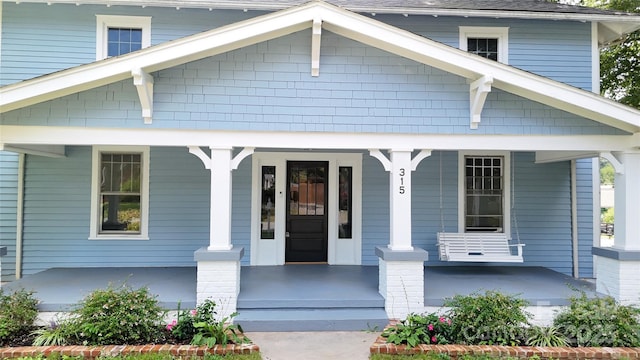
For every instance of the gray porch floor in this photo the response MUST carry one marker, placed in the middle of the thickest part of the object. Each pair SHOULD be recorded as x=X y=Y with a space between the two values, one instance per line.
x=60 y=288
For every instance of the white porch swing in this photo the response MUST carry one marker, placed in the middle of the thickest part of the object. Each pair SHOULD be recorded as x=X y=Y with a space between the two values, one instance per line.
x=479 y=246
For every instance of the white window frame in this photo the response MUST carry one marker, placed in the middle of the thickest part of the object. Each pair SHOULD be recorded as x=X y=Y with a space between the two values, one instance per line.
x=94 y=230
x=104 y=22
x=487 y=32
x=507 y=187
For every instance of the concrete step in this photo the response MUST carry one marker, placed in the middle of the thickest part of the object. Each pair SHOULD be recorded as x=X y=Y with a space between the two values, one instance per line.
x=334 y=319
x=376 y=301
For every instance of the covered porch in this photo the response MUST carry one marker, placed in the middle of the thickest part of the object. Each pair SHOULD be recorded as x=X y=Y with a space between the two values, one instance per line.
x=307 y=297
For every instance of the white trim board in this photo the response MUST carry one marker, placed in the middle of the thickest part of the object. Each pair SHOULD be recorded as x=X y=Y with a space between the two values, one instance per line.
x=337 y=20
x=58 y=135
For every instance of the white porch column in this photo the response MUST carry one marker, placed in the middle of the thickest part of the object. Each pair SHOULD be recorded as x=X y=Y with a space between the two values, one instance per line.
x=218 y=274
x=401 y=266
x=220 y=214
x=617 y=268
x=400 y=200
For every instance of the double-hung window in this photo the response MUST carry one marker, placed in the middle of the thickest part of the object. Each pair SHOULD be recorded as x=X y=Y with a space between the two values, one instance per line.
x=120 y=193
x=119 y=35
x=484 y=192
x=489 y=42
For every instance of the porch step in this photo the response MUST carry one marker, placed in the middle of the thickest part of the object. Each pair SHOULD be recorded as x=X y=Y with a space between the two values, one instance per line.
x=342 y=319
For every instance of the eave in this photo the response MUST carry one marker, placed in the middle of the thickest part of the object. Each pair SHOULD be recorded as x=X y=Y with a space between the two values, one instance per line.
x=337 y=20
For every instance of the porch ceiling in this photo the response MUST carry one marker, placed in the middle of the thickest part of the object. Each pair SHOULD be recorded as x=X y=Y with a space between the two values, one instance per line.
x=339 y=21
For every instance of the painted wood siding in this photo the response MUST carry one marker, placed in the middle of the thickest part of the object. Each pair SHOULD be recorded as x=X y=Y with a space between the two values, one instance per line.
x=542 y=206
x=585 y=189
x=375 y=208
x=541 y=214
x=428 y=217
x=39 y=39
x=8 y=208
x=57 y=203
x=269 y=87
x=558 y=49
x=58 y=199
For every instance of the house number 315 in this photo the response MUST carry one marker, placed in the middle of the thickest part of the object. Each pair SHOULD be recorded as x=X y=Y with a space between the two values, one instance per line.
x=401 y=188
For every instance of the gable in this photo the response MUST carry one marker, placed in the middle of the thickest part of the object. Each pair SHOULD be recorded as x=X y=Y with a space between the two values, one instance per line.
x=319 y=16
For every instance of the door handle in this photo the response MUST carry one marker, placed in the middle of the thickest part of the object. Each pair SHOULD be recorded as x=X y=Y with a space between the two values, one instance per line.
x=286 y=234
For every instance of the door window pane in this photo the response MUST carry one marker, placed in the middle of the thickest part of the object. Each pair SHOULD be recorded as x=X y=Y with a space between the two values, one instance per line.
x=268 y=201
x=345 y=202
x=306 y=190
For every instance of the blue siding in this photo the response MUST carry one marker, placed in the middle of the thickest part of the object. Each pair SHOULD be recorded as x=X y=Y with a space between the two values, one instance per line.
x=8 y=209
x=29 y=30
x=241 y=207
x=542 y=205
x=269 y=87
x=58 y=199
x=427 y=216
x=585 y=188
x=57 y=209
x=541 y=214
x=558 y=49
x=375 y=208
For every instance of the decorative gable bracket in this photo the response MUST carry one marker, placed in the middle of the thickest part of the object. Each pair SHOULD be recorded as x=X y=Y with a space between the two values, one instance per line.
x=143 y=82
x=478 y=91
x=315 y=47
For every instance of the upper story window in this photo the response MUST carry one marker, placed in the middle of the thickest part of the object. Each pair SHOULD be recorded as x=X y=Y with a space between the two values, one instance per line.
x=489 y=42
x=120 y=193
x=118 y=35
x=484 y=192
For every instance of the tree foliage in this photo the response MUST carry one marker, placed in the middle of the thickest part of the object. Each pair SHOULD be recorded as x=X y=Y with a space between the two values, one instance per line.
x=620 y=61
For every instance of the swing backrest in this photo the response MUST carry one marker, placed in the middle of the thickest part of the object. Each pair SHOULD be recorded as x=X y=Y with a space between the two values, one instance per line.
x=477 y=247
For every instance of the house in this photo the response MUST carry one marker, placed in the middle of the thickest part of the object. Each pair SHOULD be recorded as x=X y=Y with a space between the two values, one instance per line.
x=227 y=135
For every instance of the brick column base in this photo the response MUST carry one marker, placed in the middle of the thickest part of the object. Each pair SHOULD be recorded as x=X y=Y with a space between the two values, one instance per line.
x=401 y=281
x=617 y=274
x=218 y=278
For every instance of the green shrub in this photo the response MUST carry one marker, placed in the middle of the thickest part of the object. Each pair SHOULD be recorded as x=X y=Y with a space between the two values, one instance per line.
x=491 y=318
x=203 y=326
x=107 y=317
x=545 y=336
x=420 y=329
x=18 y=312
x=599 y=321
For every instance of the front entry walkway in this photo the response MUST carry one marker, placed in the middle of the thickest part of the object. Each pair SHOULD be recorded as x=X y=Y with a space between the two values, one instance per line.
x=291 y=285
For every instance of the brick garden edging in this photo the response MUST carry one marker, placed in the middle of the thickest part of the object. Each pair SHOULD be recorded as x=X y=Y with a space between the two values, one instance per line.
x=92 y=352
x=380 y=346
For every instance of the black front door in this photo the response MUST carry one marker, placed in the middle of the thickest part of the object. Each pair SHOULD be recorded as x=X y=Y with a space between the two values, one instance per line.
x=306 y=236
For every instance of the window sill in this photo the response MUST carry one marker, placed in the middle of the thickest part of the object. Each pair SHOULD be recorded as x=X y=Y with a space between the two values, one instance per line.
x=119 y=237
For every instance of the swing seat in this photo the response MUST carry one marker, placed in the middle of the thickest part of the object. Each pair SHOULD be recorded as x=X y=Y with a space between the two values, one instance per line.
x=477 y=247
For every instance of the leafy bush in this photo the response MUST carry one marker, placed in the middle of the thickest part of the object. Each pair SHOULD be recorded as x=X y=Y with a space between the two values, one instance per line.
x=107 y=317
x=203 y=326
x=599 y=322
x=491 y=318
x=545 y=336
x=420 y=329
x=18 y=312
